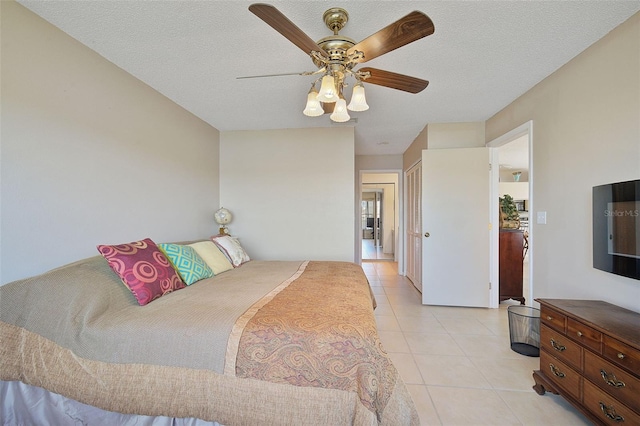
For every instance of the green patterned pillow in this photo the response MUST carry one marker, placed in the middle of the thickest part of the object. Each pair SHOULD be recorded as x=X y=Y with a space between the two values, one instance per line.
x=187 y=262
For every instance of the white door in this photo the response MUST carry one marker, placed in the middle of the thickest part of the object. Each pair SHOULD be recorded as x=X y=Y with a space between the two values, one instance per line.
x=456 y=227
x=413 y=225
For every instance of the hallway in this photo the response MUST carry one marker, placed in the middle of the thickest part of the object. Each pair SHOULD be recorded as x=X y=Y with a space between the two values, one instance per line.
x=370 y=252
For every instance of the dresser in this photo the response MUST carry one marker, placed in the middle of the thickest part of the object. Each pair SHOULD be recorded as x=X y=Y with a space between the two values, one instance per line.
x=511 y=248
x=590 y=354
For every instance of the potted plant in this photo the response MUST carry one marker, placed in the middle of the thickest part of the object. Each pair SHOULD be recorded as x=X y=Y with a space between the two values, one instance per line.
x=509 y=218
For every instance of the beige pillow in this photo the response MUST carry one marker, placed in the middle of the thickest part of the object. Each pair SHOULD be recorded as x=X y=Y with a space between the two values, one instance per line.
x=231 y=247
x=212 y=256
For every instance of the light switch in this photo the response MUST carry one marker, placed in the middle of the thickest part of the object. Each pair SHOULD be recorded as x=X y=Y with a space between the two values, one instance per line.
x=542 y=218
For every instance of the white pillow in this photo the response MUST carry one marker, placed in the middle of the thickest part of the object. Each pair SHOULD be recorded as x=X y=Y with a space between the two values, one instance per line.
x=212 y=256
x=231 y=247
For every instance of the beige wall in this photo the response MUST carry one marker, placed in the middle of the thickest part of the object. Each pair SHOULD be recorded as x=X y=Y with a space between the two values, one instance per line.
x=517 y=190
x=413 y=154
x=378 y=162
x=586 y=132
x=90 y=154
x=444 y=136
x=291 y=192
x=456 y=135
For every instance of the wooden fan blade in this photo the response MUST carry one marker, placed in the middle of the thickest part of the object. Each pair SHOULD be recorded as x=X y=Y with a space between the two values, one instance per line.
x=274 y=18
x=395 y=81
x=412 y=27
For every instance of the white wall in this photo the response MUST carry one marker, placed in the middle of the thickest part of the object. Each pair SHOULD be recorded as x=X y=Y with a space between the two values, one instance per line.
x=291 y=192
x=586 y=132
x=90 y=154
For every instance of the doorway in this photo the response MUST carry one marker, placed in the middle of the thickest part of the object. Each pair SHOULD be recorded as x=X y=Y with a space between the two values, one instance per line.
x=372 y=217
x=379 y=218
x=514 y=155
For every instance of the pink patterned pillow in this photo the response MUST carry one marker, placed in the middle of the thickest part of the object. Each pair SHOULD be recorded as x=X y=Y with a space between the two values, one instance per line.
x=143 y=268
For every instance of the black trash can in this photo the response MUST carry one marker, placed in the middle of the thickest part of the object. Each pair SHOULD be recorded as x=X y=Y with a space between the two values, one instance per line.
x=524 y=329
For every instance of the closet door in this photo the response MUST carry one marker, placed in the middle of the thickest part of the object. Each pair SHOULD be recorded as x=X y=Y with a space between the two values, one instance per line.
x=414 y=225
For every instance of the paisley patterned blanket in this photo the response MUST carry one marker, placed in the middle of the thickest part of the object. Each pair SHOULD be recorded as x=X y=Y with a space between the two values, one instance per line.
x=266 y=343
x=304 y=338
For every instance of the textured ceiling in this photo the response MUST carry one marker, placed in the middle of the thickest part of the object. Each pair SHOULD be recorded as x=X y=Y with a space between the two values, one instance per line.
x=482 y=56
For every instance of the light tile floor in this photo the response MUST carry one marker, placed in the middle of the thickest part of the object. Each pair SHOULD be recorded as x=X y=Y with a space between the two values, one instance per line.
x=370 y=252
x=457 y=362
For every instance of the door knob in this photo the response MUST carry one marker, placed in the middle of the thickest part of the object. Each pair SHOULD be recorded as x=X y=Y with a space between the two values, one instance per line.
x=426 y=234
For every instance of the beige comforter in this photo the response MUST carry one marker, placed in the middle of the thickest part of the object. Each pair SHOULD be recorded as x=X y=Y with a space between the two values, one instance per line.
x=266 y=343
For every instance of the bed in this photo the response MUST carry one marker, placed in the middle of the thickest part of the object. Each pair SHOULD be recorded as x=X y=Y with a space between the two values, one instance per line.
x=264 y=343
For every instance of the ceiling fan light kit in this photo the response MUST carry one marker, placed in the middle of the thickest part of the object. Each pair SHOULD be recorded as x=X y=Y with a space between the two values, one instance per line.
x=328 y=90
x=313 y=108
x=358 y=100
x=340 y=114
x=336 y=56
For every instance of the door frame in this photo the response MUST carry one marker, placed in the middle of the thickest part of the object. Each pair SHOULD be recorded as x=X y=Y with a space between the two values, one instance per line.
x=399 y=247
x=524 y=129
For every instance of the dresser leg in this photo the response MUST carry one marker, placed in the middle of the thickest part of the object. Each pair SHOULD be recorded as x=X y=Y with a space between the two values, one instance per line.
x=542 y=384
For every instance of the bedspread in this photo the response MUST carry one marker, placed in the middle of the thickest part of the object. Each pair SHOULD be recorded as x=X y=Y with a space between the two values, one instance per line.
x=266 y=343
x=331 y=344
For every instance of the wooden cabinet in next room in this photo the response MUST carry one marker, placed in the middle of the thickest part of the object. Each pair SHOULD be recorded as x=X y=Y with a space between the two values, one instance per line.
x=511 y=247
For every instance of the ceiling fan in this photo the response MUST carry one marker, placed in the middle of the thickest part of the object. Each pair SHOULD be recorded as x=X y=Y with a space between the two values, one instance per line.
x=336 y=57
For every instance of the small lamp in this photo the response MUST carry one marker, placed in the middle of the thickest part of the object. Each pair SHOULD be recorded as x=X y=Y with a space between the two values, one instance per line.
x=222 y=217
x=358 y=100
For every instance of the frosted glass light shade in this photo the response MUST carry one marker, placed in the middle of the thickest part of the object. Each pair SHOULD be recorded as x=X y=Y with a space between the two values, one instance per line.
x=358 y=100
x=313 y=107
x=340 y=114
x=328 y=91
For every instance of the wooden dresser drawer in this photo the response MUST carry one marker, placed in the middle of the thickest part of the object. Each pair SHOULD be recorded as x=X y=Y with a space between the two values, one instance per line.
x=560 y=374
x=621 y=354
x=553 y=319
x=600 y=344
x=561 y=347
x=608 y=409
x=584 y=334
x=613 y=380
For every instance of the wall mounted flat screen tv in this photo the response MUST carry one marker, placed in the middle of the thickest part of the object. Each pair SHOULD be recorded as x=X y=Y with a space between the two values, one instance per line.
x=616 y=228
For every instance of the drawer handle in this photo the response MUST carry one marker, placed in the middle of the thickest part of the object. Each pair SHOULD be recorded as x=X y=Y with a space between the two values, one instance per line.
x=620 y=355
x=611 y=379
x=558 y=347
x=555 y=371
x=610 y=412
x=579 y=333
x=549 y=317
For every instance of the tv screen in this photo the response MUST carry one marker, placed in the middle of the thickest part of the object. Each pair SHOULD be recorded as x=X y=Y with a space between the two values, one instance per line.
x=616 y=228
